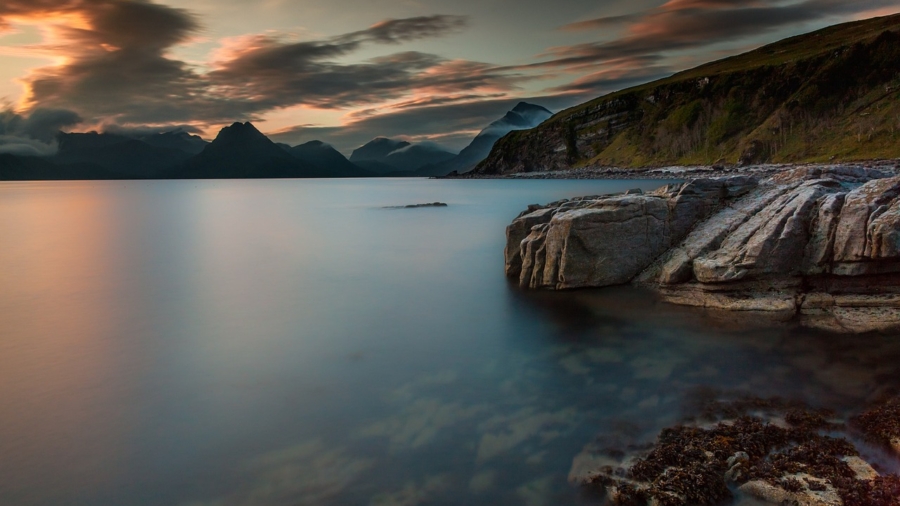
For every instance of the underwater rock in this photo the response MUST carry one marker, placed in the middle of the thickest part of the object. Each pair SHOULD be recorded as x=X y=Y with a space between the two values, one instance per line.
x=881 y=425
x=772 y=451
x=818 y=243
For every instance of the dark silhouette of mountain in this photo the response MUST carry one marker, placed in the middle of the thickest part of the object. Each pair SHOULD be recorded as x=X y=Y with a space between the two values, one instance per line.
x=242 y=151
x=376 y=150
x=326 y=157
x=180 y=140
x=33 y=168
x=523 y=116
x=116 y=154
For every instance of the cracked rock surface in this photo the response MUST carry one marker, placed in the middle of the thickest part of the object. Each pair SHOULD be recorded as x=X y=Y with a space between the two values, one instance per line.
x=819 y=243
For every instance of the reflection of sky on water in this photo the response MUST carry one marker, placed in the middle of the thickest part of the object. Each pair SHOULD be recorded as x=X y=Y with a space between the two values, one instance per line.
x=283 y=342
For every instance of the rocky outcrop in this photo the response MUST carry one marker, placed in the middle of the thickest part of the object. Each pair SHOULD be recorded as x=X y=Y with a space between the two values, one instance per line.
x=819 y=242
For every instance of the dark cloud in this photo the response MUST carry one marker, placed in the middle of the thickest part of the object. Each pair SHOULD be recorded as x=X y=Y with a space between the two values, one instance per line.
x=44 y=124
x=395 y=31
x=270 y=73
x=35 y=134
x=686 y=24
x=610 y=80
x=119 y=69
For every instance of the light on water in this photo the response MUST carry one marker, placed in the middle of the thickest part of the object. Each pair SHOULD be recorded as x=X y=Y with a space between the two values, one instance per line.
x=280 y=342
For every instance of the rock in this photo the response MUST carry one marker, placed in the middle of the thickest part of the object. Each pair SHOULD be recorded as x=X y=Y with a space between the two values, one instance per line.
x=777 y=455
x=805 y=490
x=820 y=244
x=609 y=240
x=881 y=425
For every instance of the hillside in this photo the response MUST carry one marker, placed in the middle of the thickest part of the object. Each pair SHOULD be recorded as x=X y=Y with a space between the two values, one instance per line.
x=833 y=94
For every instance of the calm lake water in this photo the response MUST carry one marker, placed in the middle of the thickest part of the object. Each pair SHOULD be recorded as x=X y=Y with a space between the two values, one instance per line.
x=293 y=342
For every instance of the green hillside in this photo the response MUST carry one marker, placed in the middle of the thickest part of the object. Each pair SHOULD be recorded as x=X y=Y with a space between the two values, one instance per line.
x=833 y=94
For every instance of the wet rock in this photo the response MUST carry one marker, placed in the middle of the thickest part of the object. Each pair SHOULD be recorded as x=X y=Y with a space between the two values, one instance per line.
x=820 y=244
x=881 y=425
x=786 y=455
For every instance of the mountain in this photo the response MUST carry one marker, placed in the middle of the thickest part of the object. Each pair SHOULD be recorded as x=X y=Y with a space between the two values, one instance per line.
x=34 y=168
x=414 y=156
x=116 y=154
x=242 y=151
x=833 y=94
x=389 y=156
x=376 y=150
x=179 y=140
x=522 y=116
x=323 y=155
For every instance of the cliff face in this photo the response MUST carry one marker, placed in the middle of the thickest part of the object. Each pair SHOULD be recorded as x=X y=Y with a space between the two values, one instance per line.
x=831 y=94
x=820 y=242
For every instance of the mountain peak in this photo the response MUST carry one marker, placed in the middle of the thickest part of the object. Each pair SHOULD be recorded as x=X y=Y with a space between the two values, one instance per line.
x=525 y=107
x=239 y=132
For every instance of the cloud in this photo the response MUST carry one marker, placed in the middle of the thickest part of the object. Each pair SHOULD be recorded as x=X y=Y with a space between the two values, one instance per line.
x=395 y=31
x=35 y=134
x=688 y=24
x=269 y=73
x=117 y=66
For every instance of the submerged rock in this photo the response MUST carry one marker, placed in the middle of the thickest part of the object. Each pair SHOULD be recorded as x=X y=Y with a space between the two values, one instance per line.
x=819 y=242
x=785 y=455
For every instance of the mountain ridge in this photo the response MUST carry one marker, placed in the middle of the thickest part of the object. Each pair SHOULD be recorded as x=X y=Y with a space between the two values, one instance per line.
x=826 y=95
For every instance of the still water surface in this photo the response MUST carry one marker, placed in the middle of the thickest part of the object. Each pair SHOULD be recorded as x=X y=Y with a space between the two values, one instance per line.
x=291 y=342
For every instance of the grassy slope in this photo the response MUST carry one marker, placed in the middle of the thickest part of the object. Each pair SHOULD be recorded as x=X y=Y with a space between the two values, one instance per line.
x=833 y=94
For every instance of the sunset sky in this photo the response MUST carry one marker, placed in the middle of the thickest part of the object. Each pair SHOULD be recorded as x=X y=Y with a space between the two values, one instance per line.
x=345 y=71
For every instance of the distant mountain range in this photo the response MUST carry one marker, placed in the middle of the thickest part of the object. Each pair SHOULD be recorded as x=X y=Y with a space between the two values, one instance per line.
x=392 y=157
x=523 y=116
x=242 y=151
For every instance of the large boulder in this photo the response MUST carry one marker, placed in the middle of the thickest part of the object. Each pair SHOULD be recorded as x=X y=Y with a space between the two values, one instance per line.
x=819 y=242
x=609 y=240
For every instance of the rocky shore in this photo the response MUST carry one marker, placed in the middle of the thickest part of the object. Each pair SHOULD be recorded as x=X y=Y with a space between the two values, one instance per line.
x=768 y=449
x=673 y=172
x=818 y=244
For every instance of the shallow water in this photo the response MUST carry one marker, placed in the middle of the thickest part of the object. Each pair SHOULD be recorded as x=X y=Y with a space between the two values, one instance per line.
x=291 y=342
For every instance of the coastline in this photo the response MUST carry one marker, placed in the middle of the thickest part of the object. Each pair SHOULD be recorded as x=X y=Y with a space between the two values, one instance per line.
x=684 y=172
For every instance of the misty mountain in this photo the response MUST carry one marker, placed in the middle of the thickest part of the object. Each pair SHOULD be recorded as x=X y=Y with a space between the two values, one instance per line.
x=376 y=150
x=324 y=156
x=389 y=156
x=415 y=156
x=522 y=117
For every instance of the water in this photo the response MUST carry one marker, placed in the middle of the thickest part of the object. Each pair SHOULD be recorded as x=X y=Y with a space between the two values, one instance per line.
x=256 y=343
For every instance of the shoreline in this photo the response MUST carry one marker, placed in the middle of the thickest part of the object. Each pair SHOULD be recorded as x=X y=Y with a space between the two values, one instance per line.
x=683 y=172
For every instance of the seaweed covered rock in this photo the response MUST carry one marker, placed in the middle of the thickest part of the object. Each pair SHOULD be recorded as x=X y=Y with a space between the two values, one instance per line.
x=821 y=243
x=881 y=425
x=788 y=456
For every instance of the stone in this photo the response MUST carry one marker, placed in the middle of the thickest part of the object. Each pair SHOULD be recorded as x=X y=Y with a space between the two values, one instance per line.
x=609 y=240
x=818 y=244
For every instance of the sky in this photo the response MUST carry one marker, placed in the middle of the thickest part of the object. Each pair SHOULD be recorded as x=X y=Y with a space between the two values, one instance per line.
x=346 y=71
